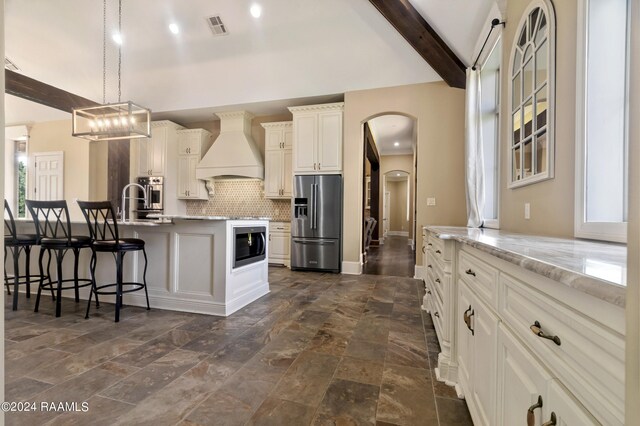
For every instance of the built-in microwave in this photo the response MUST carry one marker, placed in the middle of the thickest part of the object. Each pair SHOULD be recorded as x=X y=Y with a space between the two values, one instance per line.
x=249 y=244
x=154 y=188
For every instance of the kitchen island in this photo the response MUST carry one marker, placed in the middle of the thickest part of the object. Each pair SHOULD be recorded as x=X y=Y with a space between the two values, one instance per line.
x=191 y=264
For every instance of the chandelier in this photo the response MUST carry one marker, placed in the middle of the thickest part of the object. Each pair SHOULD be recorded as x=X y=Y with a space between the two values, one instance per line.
x=111 y=121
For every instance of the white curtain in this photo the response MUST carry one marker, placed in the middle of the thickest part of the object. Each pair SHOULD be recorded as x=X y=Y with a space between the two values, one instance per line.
x=474 y=159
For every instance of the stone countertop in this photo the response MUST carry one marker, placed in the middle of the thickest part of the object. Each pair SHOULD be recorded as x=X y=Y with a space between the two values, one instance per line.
x=120 y=223
x=596 y=268
x=187 y=217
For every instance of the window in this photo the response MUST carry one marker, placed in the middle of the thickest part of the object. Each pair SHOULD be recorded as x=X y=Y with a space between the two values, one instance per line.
x=20 y=179
x=490 y=122
x=531 y=156
x=601 y=128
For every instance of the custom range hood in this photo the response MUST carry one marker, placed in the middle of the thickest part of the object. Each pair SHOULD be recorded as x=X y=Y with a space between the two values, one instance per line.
x=233 y=154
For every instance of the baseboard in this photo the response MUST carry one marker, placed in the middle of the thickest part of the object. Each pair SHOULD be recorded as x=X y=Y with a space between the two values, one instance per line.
x=411 y=244
x=398 y=233
x=418 y=274
x=352 y=268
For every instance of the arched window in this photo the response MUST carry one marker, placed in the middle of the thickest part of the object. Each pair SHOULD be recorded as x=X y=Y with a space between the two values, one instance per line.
x=532 y=96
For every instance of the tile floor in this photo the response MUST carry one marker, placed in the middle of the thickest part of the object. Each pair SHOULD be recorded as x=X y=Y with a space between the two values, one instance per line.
x=394 y=258
x=319 y=349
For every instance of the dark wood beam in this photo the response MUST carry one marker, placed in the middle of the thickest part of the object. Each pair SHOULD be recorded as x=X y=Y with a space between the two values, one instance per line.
x=36 y=91
x=424 y=39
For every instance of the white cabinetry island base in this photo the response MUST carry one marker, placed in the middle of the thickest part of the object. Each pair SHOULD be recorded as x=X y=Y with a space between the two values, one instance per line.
x=190 y=266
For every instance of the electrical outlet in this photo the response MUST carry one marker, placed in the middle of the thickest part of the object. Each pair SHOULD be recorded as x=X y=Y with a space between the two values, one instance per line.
x=431 y=201
x=527 y=211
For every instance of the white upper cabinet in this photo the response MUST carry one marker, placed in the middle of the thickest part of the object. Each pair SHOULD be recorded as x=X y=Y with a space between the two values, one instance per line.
x=278 y=160
x=192 y=145
x=317 y=138
x=152 y=152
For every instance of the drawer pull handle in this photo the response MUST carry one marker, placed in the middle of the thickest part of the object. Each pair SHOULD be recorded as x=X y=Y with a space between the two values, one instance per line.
x=531 y=416
x=429 y=266
x=428 y=291
x=470 y=272
x=423 y=249
x=551 y=422
x=536 y=328
x=438 y=280
x=467 y=319
x=429 y=244
x=436 y=314
x=438 y=252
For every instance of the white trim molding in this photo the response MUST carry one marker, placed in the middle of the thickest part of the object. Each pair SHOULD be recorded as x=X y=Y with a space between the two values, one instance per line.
x=352 y=268
x=398 y=233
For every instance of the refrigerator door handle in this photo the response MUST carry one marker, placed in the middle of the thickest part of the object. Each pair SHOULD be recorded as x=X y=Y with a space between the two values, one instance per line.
x=312 y=209
x=314 y=242
x=315 y=206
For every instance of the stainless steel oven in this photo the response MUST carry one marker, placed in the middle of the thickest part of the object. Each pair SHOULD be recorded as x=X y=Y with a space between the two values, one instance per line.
x=154 y=187
x=250 y=245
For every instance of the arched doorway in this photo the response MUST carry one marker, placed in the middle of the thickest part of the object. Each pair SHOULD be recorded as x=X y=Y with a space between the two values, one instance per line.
x=389 y=194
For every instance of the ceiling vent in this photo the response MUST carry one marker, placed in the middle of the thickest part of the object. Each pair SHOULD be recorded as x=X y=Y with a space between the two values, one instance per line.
x=8 y=64
x=216 y=25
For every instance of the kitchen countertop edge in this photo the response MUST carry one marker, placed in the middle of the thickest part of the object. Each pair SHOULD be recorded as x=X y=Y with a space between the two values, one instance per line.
x=611 y=292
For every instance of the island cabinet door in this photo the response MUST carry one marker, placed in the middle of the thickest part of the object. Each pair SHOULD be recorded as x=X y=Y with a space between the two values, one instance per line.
x=522 y=383
x=464 y=338
x=562 y=407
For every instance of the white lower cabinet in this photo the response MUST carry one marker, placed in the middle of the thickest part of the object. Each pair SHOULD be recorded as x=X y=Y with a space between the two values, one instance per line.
x=528 y=394
x=518 y=337
x=477 y=337
x=280 y=243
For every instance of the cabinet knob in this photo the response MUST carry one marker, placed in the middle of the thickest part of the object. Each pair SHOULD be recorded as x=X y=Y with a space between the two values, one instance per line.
x=438 y=252
x=531 y=416
x=536 y=329
x=423 y=249
x=429 y=266
x=438 y=280
x=436 y=314
x=470 y=272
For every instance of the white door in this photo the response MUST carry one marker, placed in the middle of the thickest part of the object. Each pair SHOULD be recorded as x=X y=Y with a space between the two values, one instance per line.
x=144 y=146
x=567 y=410
x=279 y=247
x=464 y=336
x=330 y=141
x=273 y=139
x=156 y=151
x=48 y=176
x=287 y=138
x=386 y=213
x=305 y=143
x=194 y=182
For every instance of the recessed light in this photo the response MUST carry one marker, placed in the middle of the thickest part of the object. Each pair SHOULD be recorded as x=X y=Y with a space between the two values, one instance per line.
x=255 y=10
x=396 y=144
x=117 y=37
x=174 y=28
x=398 y=175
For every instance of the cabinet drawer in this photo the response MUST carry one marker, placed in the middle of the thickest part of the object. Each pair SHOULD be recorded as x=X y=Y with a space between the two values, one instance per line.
x=436 y=246
x=586 y=357
x=437 y=315
x=482 y=278
x=280 y=227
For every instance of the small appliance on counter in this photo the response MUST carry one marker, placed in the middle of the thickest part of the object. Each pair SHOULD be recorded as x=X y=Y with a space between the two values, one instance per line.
x=154 y=187
x=316 y=223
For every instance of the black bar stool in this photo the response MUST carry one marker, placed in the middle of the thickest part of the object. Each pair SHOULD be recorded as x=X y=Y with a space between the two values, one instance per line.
x=54 y=228
x=17 y=243
x=104 y=232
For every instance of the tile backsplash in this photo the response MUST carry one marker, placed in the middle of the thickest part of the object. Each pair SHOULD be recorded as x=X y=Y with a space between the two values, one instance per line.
x=241 y=197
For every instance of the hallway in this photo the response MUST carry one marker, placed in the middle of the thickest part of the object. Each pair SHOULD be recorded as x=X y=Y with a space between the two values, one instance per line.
x=394 y=258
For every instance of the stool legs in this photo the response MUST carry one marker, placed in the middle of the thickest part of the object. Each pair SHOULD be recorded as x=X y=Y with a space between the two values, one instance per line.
x=59 y=257
x=76 y=255
x=144 y=278
x=119 y=258
x=27 y=253
x=92 y=267
x=16 y=275
x=6 y=279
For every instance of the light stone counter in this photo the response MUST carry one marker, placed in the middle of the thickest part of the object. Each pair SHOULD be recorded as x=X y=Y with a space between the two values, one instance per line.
x=598 y=269
x=212 y=218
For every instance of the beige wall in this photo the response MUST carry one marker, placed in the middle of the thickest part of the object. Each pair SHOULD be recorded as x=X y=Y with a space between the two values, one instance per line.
x=404 y=163
x=439 y=111
x=85 y=163
x=552 y=201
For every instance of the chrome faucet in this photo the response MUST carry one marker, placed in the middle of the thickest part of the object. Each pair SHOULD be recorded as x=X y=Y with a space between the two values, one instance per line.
x=125 y=198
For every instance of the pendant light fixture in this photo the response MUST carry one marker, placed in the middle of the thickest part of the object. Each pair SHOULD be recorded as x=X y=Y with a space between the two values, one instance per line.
x=121 y=120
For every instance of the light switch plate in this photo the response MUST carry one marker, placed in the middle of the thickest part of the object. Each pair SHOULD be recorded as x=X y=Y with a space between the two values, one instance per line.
x=431 y=201
x=527 y=211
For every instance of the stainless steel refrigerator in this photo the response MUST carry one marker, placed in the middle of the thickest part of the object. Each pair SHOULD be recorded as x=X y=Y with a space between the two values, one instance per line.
x=316 y=223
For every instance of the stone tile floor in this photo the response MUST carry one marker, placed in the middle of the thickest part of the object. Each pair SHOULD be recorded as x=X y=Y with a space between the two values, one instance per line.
x=319 y=349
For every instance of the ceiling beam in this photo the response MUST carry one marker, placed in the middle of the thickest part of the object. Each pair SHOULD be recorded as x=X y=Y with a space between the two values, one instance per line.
x=424 y=39
x=36 y=91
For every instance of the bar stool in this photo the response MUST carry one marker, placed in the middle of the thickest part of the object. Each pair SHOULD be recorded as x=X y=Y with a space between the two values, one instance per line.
x=54 y=228
x=102 y=224
x=18 y=243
